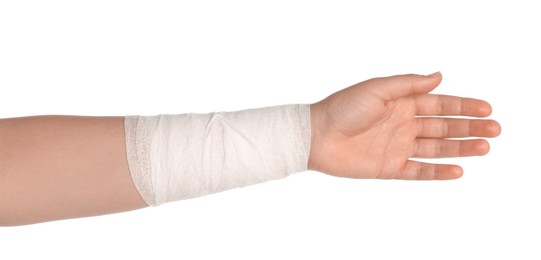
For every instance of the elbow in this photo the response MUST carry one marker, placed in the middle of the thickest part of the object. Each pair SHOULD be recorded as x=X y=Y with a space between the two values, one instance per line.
x=13 y=202
x=12 y=214
x=8 y=222
x=9 y=214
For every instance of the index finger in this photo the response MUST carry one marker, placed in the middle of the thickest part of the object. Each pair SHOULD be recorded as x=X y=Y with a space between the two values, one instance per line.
x=442 y=105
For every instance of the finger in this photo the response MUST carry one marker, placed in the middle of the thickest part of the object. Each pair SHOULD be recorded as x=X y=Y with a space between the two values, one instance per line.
x=431 y=127
x=414 y=170
x=394 y=87
x=441 y=148
x=441 y=105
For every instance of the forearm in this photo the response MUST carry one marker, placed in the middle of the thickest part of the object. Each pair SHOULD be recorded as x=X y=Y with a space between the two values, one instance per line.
x=57 y=167
x=315 y=136
x=175 y=157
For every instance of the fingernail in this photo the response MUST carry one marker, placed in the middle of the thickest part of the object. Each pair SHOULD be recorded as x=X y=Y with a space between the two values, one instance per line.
x=434 y=74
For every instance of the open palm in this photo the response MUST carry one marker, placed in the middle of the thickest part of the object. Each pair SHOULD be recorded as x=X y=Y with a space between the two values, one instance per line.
x=372 y=129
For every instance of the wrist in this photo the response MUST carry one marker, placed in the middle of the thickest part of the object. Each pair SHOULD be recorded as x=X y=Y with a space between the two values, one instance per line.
x=315 y=112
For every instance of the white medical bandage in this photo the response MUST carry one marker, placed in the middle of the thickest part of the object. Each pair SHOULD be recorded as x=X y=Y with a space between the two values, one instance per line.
x=173 y=157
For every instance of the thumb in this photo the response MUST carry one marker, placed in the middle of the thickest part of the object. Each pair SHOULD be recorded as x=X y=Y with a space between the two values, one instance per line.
x=394 y=87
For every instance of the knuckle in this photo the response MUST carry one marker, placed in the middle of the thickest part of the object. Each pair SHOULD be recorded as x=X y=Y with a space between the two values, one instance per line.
x=444 y=128
x=439 y=106
x=439 y=148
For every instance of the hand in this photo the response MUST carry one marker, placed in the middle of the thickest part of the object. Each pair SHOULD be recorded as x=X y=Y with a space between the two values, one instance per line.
x=371 y=129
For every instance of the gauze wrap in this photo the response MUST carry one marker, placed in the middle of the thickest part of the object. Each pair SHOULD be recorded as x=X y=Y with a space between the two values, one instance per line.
x=174 y=157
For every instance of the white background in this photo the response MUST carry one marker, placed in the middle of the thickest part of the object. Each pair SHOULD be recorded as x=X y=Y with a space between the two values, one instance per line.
x=149 y=57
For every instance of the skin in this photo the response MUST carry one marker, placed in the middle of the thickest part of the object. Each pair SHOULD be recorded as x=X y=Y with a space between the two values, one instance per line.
x=372 y=129
x=59 y=167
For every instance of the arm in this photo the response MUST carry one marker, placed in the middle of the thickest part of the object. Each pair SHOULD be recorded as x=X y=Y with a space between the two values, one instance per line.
x=58 y=167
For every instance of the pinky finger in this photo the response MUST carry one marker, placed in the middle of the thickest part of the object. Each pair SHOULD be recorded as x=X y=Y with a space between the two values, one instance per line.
x=414 y=170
